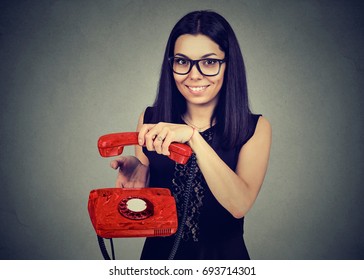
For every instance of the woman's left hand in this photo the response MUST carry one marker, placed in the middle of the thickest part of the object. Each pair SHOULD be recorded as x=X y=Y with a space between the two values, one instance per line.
x=158 y=137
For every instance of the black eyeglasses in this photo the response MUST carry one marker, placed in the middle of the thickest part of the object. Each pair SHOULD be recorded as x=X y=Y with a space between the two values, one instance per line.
x=207 y=66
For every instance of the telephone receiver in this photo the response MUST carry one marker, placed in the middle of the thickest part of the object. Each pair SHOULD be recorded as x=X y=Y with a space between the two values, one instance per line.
x=113 y=144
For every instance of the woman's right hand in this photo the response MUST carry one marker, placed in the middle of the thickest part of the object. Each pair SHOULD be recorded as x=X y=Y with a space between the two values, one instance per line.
x=131 y=174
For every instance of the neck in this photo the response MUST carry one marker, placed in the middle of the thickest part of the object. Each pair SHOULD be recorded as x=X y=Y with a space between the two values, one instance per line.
x=199 y=116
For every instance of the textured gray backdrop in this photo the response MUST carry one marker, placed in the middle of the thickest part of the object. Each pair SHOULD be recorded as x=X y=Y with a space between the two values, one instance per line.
x=73 y=70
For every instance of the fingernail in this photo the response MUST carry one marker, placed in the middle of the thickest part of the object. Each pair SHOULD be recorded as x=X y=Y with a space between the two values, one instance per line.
x=140 y=140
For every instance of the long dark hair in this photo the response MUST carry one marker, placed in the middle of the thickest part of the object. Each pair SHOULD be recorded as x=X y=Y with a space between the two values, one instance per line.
x=232 y=111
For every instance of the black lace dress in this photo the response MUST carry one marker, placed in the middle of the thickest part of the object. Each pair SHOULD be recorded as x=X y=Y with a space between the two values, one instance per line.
x=210 y=231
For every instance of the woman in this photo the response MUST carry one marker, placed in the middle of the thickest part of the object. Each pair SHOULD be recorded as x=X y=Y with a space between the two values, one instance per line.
x=202 y=101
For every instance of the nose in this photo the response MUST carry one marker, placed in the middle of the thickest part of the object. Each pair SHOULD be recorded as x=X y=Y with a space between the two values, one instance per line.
x=195 y=73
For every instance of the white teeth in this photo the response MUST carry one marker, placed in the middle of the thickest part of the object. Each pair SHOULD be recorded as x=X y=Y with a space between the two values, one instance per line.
x=197 y=88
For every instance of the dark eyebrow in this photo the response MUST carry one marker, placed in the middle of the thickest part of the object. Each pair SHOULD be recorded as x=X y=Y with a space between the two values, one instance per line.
x=182 y=55
x=209 y=54
x=204 y=56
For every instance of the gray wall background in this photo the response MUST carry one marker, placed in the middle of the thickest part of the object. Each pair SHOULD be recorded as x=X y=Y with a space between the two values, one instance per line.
x=74 y=70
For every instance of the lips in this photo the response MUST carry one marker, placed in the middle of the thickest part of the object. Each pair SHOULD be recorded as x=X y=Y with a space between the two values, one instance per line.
x=195 y=89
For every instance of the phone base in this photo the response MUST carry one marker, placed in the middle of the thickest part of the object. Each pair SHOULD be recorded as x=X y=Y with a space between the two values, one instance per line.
x=121 y=213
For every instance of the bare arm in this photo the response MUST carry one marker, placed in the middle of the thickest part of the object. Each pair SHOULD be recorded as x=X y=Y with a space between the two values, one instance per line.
x=236 y=190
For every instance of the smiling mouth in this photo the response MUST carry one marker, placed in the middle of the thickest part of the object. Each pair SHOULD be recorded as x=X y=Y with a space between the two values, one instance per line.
x=197 y=89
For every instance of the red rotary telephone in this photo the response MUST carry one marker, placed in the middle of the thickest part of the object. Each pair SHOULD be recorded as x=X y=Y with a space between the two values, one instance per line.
x=144 y=212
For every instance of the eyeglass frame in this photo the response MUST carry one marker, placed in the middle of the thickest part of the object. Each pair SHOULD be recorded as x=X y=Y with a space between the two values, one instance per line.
x=195 y=62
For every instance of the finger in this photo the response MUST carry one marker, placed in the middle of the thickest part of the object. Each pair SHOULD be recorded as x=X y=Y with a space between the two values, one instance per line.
x=149 y=137
x=168 y=135
x=166 y=143
x=116 y=163
x=159 y=140
x=157 y=144
x=119 y=183
x=143 y=131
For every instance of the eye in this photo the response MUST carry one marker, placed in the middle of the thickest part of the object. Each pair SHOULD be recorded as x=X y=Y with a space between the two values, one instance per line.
x=209 y=62
x=181 y=61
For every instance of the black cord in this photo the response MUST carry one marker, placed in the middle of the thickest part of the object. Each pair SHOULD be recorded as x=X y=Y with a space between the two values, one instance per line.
x=102 y=246
x=187 y=194
x=103 y=249
x=112 y=249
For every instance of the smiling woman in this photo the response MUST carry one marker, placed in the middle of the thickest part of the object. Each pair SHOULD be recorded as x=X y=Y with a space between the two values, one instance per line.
x=202 y=100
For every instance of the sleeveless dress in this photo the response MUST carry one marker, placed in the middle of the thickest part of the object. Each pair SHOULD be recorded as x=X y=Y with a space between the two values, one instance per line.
x=210 y=231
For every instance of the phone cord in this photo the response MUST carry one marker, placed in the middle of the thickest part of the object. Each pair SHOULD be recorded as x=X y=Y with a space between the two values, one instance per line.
x=187 y=195
x=103 y=249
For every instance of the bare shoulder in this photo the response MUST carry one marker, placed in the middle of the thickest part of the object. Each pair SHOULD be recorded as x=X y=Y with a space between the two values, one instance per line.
x=262 y=134
x=263 y=126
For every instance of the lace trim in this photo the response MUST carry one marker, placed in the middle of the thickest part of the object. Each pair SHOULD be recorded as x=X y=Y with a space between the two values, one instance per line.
x=181 y=175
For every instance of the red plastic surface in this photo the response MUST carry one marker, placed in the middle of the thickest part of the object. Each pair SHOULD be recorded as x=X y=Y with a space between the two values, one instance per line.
x=110 y=145
x=108 y=222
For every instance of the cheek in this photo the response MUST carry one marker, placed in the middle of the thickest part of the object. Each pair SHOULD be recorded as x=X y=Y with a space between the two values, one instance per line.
x=179 y=78
x=221 y=75
x=179 y=81
x=218 y=82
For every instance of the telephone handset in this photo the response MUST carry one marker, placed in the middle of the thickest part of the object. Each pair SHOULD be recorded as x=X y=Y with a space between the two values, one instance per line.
x=124 y=212
x=113 y=144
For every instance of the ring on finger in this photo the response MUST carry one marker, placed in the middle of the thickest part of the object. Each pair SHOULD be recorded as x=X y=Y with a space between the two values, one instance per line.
x=159 y=138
